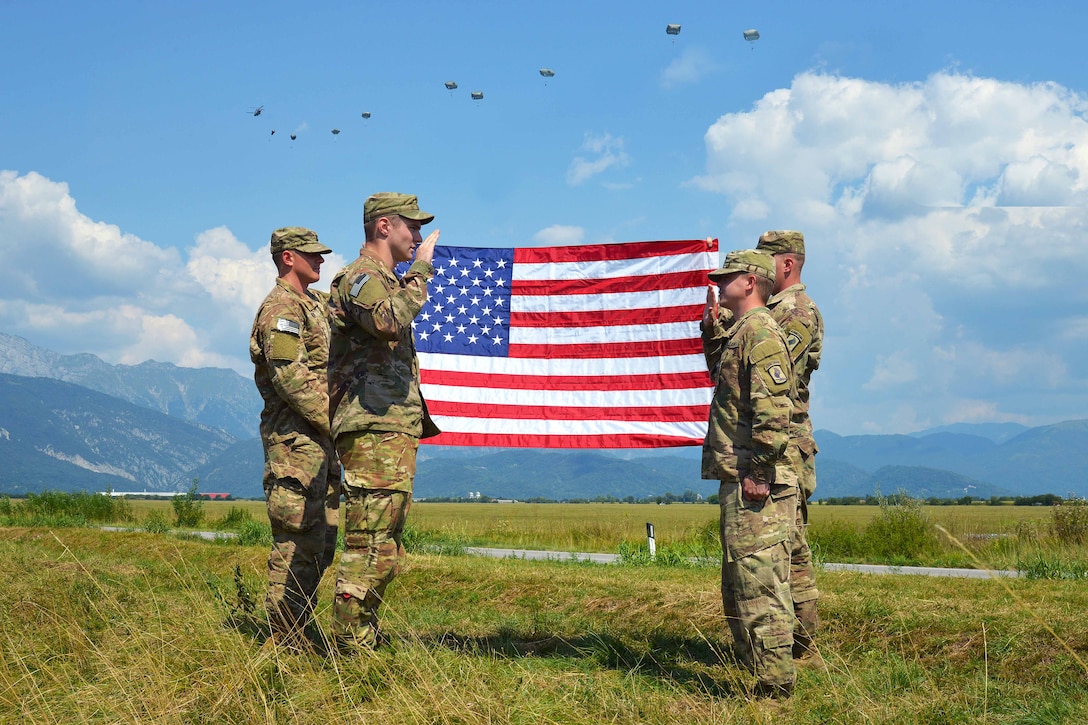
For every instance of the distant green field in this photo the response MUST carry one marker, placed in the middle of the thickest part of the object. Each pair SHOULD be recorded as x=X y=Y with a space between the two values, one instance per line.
x=603 y=527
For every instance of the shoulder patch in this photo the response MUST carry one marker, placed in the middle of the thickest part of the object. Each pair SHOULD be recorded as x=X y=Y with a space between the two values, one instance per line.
x=367 y=290
x=777 y=374
x=289 y=326
x=358 y=285
x=283 y=346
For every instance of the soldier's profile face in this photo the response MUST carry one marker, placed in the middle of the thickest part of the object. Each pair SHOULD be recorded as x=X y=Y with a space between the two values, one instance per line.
x=732 y=288
x=404 y=235
x=308 y=266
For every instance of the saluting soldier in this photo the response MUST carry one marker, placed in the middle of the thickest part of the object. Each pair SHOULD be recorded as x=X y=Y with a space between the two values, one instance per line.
x=801 y=322
x=289 y=347
x=746 y=439
x=378 y=413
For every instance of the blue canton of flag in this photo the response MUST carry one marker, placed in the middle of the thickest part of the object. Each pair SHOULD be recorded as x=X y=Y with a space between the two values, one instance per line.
x=468 y=302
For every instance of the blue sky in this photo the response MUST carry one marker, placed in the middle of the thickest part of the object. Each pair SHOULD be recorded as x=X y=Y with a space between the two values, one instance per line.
x=935 y=154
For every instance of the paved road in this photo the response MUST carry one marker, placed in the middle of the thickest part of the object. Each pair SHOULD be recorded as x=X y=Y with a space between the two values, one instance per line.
x=536 y=555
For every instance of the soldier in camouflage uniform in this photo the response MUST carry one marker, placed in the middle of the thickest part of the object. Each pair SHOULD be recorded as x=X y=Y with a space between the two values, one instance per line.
x=800 y=320
x=746 y=438
x=289 y=347
x=378 y=413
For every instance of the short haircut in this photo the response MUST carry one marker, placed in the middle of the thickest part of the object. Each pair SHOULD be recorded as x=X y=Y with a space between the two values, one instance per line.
x=764 y=287
x=368 y=227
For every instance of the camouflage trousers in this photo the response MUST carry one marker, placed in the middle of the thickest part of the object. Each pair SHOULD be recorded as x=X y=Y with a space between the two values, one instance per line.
x=802 y=572
x=756 y=597
x=304 y=520
x=379 y=469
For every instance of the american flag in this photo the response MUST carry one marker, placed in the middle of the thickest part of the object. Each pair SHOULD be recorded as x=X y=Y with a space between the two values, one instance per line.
x=593 y=346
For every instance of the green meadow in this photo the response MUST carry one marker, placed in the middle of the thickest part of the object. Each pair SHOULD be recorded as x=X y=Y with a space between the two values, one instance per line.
x=155 y=626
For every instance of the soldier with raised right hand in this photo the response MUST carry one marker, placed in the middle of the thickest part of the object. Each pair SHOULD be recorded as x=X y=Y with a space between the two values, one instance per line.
x=746 y=439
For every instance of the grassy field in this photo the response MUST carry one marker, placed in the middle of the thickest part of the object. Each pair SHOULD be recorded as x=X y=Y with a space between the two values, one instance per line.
x=104 y=627
x=999 y=537
x=602 y=527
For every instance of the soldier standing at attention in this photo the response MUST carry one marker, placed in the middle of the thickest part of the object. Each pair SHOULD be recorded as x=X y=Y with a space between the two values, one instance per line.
x=746 y=438
x=289 y=347
x=801 y=322
x=378 y=413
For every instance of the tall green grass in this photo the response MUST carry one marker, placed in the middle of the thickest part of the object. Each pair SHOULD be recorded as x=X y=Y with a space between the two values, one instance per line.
x=137 y=628
x=59 y=508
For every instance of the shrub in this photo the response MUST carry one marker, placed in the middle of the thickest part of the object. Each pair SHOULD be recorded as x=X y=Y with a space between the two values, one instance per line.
x=901 y=532
x=188 y=508
x=254 y=533
x=234 y=520
x=156 y=523
x=429 y=542
x=59 y=508
x=1069 y=523
x=836 y=541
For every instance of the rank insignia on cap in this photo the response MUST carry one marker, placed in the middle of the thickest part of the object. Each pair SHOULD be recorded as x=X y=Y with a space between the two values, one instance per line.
x=777 y=374
x=288 y=326
x=363 y=279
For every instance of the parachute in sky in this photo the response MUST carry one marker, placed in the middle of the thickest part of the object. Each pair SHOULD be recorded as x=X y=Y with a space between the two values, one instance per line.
x=294 y=136
x=477 y=95
x=751 y=35
x=451 y=85
x=547 y=72
x=366 y=114
x=672 y=29
x=336 y=132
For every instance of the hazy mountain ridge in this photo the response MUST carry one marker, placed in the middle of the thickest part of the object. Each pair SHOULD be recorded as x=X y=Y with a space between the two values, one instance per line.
x=213 y=397
x=82 y=439
x=1046 y=459
x=62 y=436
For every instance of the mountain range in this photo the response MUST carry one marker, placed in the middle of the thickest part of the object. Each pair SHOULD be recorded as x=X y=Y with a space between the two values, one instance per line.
x=75 y=422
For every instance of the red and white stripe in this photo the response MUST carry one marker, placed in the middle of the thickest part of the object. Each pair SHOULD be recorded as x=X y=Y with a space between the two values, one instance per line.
x=604 y=353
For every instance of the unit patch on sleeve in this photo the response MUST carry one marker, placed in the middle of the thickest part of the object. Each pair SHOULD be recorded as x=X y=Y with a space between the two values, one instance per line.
x=355 y=288
x=778 y=375
x=289 y=326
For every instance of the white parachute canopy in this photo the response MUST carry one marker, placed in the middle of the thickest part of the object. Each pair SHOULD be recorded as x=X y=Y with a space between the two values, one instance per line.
x=751 y=35
x=547 y=72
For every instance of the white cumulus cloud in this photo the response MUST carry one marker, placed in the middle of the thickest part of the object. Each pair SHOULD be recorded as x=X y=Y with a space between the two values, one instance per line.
x=81 y=285
x=691 y=66
x=945 y=221
x=559 y=234
x=598 y=153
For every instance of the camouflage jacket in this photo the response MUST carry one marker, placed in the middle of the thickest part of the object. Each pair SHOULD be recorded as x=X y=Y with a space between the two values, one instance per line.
x=373 y=368
x=289 y=347
x=750 y=412
x=803 y=326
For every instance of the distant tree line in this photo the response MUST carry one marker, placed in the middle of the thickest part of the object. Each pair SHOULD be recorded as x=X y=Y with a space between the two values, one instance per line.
x=1045 y=499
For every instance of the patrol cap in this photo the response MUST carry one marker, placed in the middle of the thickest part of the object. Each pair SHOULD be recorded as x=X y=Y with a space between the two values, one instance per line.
x=299 y=239
x=785 y=241
x=752 y=261
x=389 y=203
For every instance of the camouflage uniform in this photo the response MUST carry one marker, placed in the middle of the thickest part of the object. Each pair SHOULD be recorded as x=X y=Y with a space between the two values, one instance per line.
x=378 y=419
x=803 y=326
x=289 y=347
x=746 y=437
